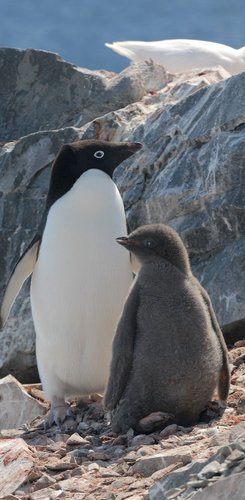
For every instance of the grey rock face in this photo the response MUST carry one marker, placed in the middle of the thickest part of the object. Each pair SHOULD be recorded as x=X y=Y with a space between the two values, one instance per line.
x=41 y=91
x=189 y=174
x=221 y=476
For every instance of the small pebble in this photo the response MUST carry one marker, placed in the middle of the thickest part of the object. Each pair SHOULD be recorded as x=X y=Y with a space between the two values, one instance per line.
x=76 y=439
x=83 y=426
x=210 y=470
x=169 y=430
x=241 y=406
x=141 y=440
x=93 y=467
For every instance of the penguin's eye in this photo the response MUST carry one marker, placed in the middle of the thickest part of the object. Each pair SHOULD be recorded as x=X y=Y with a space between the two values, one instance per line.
x=99 y=154
x=150 y=243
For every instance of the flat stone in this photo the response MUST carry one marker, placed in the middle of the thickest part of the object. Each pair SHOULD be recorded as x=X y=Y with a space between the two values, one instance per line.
x=46 y=493
x=159 y=474
x=86 y=94
x=169 y=430
x=174 y=480
x=93 y=467
x=235 y=456
x=74 y=485
x=44 y=482
x=149 y=464
x=141 y=440
x=75 y=439
x=99 y=455
x=123 y=481
x=210 y=470
x=60 y=465
x=17 y=407
x=16 y=462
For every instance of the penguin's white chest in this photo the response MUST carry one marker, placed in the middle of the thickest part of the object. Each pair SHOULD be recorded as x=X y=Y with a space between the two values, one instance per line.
x=79 y=285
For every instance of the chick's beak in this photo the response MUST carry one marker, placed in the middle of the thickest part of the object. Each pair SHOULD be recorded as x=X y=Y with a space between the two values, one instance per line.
x=123 y=240
x=127 y=242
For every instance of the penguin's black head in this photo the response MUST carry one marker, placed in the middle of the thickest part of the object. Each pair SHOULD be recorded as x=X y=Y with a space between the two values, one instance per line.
x=77 y=157
x=156 y=242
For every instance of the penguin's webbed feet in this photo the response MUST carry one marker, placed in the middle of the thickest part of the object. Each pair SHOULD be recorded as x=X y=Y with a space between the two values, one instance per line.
x=155 y=421
x=58 y=413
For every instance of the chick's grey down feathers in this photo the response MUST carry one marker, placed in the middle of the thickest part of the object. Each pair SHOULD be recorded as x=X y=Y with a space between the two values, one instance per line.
x=169 y=354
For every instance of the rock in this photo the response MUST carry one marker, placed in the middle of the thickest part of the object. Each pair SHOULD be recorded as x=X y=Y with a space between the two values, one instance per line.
x=160 y=490
x=241 y=406
x=75 y=439
x=189 y=173
x=44 y=482
x=16 y=462
x=118 y=483
x=74 y=485
x=98 y=455
x=201 y=474
x=93 y=467
x=41 y=91
x=46 y=493
x=227 y=488
x=240 y=343
x=185 y=178
x=235 y=331
x=17 y=407
x=141 y=440
x=145 y=466
x=235 y=434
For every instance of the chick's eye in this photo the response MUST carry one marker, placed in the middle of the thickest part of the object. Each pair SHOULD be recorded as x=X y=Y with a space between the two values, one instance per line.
x=150 y=244
x=99 y=154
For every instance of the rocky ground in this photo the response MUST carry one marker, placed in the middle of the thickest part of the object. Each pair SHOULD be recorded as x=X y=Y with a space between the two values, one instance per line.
x=85 y=460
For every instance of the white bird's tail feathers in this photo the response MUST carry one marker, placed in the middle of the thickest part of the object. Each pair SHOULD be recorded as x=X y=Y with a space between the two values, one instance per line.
x=120 y=48
x=242 y=52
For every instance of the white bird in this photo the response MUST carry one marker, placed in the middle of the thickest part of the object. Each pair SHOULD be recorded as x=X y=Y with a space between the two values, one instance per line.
x=80 y=277
x=178 y=56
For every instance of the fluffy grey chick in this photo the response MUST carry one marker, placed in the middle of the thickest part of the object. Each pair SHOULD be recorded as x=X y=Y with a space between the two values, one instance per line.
x=169 y=353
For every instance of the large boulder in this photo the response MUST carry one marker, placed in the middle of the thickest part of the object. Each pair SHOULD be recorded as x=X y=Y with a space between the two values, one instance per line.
x=189 y=174
x=41 y=91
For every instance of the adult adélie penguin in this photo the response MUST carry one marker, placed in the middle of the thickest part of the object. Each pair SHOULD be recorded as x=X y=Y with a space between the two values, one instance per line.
x=80 y=276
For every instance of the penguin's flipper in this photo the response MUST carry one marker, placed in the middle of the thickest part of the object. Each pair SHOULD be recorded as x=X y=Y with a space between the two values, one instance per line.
x=122 y=350
x=224 y=376
x=22 y=270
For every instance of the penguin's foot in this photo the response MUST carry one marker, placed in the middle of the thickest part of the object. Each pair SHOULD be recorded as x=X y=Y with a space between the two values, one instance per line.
x=59 y=411
x=213 y=410
x=155 y=421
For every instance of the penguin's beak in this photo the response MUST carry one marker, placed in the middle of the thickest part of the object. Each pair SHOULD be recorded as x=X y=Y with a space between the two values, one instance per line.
x=123 y=240
x=133 y=147
x=128 y=243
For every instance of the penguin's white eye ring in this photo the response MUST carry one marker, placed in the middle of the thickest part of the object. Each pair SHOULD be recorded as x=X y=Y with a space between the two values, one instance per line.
x=99 y=154
x=150 y=243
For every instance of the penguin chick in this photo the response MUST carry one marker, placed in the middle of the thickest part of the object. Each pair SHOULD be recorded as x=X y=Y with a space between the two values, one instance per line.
x=80 y=277
x=169 y=354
